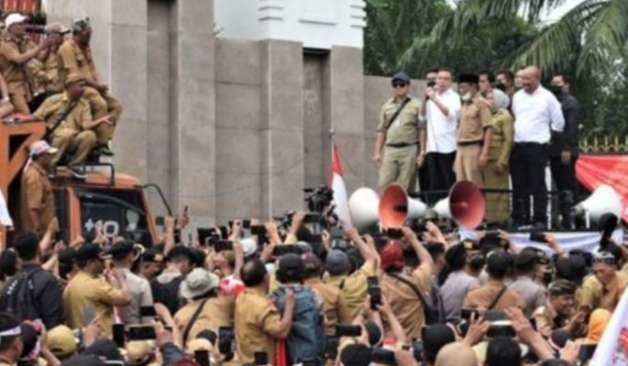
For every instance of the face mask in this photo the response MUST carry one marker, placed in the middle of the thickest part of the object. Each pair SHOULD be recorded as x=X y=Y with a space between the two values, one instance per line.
x=557 y=90
x=500 y=86
x=466 y=98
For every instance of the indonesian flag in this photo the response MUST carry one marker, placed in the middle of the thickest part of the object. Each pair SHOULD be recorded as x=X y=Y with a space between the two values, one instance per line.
x=613 y=347
x=340 y=191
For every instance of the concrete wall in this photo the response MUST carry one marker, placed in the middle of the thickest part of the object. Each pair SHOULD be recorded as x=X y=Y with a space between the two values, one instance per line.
x=229 y=127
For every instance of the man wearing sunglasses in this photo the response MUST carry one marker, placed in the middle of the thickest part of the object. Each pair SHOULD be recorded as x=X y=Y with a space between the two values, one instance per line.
x=397 y=136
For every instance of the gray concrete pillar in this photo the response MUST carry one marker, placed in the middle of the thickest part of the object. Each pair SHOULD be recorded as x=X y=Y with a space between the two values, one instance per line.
x=282 y=89
x=193 y=128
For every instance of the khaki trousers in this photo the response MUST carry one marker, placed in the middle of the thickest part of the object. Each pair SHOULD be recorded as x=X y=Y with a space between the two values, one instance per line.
x=102 y=106
x=497 y=204
x=69 y=140
x=466 y=165
x=398 y=166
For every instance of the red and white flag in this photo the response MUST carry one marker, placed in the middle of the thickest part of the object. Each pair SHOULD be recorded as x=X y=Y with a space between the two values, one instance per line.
x=340 y=191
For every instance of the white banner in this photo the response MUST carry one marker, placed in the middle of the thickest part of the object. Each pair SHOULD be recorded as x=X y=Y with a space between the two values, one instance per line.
x=613 y=347
x=5 y=218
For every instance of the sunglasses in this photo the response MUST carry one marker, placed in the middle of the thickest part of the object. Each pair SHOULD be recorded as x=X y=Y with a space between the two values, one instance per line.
x=399 y=85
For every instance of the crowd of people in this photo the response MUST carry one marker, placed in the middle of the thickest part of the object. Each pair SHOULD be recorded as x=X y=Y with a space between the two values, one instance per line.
x=280 y=296
x=491 y=131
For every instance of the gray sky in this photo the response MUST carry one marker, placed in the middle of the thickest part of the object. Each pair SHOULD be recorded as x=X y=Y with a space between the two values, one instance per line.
x=554 y=14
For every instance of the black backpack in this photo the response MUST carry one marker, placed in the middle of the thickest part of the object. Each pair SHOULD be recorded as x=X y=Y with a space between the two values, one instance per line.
x=17 y=296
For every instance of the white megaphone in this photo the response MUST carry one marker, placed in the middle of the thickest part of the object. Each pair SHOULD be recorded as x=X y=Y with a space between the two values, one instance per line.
x=395 y=207
x=604 y=200
x=465 y=205
x=363 y=207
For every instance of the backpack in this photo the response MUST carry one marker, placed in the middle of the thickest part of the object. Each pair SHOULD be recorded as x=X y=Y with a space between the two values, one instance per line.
x=306 y=341
x=17 y=297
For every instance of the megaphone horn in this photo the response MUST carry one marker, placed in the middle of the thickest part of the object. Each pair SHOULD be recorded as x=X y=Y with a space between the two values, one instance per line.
x=395 y=207
x=465 y=205
x=603 y=200
x=363 y=207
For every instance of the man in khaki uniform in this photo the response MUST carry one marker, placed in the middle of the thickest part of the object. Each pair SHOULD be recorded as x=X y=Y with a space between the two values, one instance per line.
x=89 y=294
x=75 y=130
x=199 y=289
x=495 y=295
x=495 y=173
x=559 y=310
x=14 y=56
x=398 y=135
x=257 y=320
x=400 y=286
x=605 y=287
x=76 y=57
x=334 y=302
x=37 y=204
x=45 y=67
x=351 y=282
x=474 y=132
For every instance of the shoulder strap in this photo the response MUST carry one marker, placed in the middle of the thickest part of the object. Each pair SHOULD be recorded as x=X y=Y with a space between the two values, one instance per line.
x=61 y=117
x=188 y=328
x=392 y=119
x=496 y=300
x=412 y=286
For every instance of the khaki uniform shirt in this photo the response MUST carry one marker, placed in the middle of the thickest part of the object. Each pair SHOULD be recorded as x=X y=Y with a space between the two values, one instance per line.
x=36 y=194
x=85 y=290
x=217 y=312
x=547 y=320
x=334 y=304
x=405 y=302
x=502 y=138
x=404 y=129
x=13 y=72
x=45 y=70
x=474 y=118
x=257 y=324
x=354 y=286
x=74 y=59
x=55 y=106
x=594 y=295
x=481 y=298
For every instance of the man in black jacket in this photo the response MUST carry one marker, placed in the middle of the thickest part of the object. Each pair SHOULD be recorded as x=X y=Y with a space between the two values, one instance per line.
x=564 y=148
x=46 y=291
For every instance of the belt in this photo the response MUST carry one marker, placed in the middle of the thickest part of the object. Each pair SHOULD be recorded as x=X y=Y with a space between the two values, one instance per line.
x=531 y=143
x=400 y=145
x=468 y=143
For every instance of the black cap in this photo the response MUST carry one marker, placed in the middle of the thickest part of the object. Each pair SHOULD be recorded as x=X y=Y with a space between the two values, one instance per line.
x=152 y=256
x=526 y=259
x=68 y=256
x=121 y=249
x=469 y=78
x=561 y=287
x=89 y=251
x=401 y=76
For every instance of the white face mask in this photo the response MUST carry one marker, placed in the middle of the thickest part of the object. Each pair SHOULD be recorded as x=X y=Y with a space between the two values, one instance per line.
x=467 y=97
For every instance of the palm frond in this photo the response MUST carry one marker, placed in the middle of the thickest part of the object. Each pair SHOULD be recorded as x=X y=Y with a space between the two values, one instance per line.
x=607 y=35
x=553 y=49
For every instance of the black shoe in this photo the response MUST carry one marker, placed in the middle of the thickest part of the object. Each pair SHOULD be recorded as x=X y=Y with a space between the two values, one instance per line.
x=104 y=150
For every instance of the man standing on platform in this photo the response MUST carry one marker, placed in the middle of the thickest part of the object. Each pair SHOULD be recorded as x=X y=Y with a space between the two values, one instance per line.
x=536 y=111
x=564 y=148
x=438 y=140
x=397 y=135
x=474 y=132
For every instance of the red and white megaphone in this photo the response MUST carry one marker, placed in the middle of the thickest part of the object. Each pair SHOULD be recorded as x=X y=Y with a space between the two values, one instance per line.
x=465 y=205
x=363 y=206
x=395 y=207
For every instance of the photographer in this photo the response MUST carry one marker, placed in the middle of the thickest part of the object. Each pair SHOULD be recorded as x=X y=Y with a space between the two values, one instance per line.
x=404 y=288
x=13 y=59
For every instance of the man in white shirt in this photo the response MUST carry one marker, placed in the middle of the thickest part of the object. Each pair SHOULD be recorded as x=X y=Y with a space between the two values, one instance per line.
x=438 y=140
x=536 y=111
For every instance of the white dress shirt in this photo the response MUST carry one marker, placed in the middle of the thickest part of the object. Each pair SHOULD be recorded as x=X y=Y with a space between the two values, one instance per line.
x=441 y=129
x=535 y=114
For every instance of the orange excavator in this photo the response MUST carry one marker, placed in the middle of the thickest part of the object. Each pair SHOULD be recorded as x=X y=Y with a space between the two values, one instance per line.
x=117 y=201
